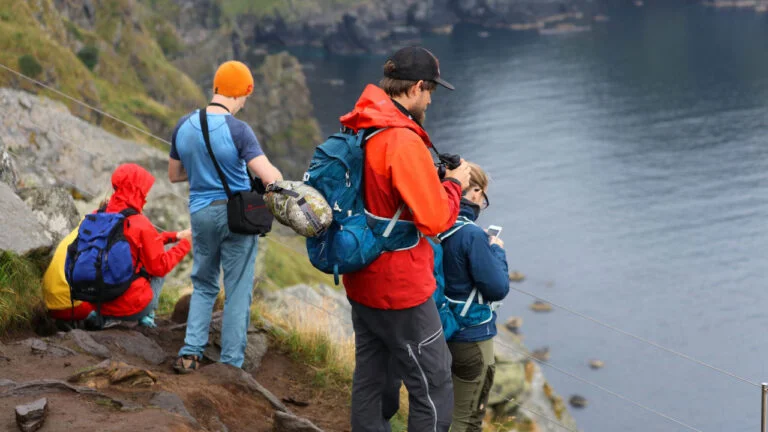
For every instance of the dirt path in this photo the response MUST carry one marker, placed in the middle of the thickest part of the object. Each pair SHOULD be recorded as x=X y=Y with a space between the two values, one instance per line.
x=211 y=400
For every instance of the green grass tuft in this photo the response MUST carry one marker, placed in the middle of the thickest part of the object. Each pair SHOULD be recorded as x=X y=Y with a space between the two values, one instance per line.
x=28 y=65
x=168 y=298
x=20 y=291
x=89 y=55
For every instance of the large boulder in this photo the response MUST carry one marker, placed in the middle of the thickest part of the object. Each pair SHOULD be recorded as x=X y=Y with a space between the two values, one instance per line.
x=21 y=233
x=54 y=208
x=51 y=147
x=322 y=308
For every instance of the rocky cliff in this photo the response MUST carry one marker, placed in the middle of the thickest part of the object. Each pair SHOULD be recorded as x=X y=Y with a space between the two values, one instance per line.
x=57 y=166
x=125 y=58
x=366 y=26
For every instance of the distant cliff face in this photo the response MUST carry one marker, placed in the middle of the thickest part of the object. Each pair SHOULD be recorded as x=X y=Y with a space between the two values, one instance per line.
x=366 y=26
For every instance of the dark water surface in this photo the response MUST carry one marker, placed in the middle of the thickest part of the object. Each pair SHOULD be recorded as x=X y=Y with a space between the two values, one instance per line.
x=630 y=173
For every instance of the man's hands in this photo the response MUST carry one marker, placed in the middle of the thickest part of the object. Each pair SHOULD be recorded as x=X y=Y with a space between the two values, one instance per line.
x=461 y=174
x=497 y=241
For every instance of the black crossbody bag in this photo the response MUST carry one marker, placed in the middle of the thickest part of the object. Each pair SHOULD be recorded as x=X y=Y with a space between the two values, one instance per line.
x=247 y=212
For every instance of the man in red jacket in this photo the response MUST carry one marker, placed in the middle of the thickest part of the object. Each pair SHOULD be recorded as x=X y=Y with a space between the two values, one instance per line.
x=395 y=319
x=131 y=184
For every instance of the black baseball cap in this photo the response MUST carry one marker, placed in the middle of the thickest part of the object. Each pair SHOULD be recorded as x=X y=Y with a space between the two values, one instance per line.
x=417 y=64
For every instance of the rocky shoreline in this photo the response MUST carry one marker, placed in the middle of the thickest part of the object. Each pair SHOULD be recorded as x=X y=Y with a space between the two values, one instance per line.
x=760 y=6
x=364 y=27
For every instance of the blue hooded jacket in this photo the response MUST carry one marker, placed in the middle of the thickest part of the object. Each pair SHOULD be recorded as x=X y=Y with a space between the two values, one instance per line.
x=469 y=261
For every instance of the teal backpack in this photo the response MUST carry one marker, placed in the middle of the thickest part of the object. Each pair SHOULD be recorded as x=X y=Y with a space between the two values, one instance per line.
x=356 y=237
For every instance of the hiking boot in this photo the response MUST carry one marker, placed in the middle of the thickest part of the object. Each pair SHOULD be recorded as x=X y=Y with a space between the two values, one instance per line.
x=148 y=321
x=185 y=364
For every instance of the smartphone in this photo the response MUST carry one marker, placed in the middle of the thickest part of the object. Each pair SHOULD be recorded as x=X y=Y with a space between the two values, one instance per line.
x=494 y=231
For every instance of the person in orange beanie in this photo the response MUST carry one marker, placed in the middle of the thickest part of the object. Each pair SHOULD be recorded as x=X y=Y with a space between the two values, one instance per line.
x=215 y=247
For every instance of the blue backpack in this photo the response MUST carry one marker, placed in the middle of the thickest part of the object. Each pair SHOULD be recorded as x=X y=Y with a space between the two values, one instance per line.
x=355 y=238
x=99 y=267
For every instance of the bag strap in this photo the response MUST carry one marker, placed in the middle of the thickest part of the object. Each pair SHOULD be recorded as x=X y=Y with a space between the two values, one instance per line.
x=393 y=222
x=128 y=212
x=207 y=139
x=468 y=303
x=461 y=222
x=303 y=205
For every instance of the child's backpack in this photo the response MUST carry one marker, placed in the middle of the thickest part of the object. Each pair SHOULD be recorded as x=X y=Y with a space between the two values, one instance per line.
x=447 y=317
x=355 y=238
x=460 y=314
x=99 y=267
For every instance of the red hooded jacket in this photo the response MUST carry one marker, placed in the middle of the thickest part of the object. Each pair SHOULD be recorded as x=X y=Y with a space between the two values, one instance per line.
x=399 y=169
x=132 y=184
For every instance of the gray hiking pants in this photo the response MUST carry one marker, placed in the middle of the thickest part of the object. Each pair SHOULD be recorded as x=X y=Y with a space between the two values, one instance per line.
x=407 y=345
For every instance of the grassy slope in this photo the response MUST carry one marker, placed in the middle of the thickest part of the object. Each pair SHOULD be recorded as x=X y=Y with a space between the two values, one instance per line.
x=287 y=264
x=132 y=79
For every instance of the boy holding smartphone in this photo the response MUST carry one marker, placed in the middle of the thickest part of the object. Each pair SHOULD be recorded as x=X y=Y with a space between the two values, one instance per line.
x=476 y=275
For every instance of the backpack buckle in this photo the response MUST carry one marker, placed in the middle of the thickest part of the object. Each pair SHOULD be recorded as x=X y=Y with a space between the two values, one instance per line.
x=348 y=182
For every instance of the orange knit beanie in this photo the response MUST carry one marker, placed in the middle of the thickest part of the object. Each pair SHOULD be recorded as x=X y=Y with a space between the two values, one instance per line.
x=233 y=79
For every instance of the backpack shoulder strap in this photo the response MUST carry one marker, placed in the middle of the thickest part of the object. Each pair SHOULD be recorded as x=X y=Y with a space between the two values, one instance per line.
x=370 y=133
x=461 y=222
x=129 y=212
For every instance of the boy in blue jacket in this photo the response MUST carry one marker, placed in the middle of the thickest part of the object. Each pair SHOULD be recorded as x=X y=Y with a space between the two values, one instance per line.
x=476 y=278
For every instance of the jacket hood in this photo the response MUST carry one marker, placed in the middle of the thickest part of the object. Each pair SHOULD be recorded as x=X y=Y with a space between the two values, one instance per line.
x=131 y=184
x=469 y=210
x=375 y=109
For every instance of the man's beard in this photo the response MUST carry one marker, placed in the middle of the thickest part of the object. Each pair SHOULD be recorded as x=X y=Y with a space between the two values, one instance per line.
x=419 y=115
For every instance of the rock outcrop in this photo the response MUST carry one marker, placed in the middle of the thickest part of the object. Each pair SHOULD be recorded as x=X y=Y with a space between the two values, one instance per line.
x=21 y=233
x=55 y=167
x=323 y=307
x=54 y=208
x=521 y=389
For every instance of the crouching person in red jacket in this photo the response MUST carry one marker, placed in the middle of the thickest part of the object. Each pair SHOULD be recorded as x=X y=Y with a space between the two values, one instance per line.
x=131 y=185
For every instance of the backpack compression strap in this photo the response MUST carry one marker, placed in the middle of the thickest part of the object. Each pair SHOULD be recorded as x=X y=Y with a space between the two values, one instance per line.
x=128 y=212
x=303 y=205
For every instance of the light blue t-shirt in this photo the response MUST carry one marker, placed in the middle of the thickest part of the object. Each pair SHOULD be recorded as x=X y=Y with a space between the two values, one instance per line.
x=234 y=144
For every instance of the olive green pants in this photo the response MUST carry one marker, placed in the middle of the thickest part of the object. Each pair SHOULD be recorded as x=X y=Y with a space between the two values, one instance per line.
x=473 y=368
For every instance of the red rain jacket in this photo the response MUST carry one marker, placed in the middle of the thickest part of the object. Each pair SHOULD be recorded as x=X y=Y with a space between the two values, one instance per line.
x=132 y=184
x=399 y=168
